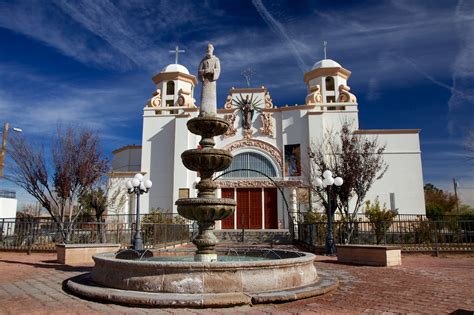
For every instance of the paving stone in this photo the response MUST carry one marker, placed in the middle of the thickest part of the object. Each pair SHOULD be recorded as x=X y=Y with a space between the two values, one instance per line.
x=422 y=285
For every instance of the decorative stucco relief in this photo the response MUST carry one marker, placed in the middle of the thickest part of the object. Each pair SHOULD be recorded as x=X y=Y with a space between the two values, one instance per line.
x=185 y=99
x=249 y=143
x=228 y=102
x=314 y=97
x=345 y=96
x=255 y=183
x=268 y=100
x=267 y=124
x=155 y=101
x=230 y=118
x=247 y=133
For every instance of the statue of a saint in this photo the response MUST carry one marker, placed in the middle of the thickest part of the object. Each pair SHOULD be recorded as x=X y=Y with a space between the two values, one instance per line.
x=208 y=73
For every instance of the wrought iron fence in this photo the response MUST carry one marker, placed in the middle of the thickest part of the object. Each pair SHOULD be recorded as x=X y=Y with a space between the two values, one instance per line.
x=411 y=235
x=42 y=233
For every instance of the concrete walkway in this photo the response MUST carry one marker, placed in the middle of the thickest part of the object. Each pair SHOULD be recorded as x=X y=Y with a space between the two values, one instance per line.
x=423 y=285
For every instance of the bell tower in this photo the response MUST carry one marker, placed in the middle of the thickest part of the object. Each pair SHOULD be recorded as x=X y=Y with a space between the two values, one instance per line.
x=174 y=90
x=327 y=83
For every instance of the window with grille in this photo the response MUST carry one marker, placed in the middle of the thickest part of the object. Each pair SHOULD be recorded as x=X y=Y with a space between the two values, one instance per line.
x=250 y=160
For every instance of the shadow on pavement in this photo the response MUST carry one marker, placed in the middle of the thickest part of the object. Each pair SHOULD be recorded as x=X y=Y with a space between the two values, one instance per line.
x=49 y=264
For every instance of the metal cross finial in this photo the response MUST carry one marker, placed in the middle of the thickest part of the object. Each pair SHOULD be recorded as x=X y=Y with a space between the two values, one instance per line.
x=325 y=44
x=248 y=73
x=176 y=51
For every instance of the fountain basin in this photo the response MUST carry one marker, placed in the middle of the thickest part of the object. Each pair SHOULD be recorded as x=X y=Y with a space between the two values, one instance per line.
x=293 y=270
x=284 y=276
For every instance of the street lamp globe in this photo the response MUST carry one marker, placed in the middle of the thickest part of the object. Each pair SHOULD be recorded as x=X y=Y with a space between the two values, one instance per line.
x=129 y=184
x=148 y=184
x=135 y=182
x=139 y=176
x=327 y=174
x=338 y=181
x=328 y=181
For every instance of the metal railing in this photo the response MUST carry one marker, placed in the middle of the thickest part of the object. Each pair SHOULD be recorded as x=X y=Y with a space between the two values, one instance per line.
x=300 y=217
x=42 y=233
x=411 y=235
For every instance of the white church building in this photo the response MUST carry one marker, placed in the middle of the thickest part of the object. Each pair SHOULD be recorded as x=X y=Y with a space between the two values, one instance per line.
x=271 y=140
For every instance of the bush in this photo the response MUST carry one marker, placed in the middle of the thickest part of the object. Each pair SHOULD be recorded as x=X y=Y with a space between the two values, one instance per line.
x=380 y=218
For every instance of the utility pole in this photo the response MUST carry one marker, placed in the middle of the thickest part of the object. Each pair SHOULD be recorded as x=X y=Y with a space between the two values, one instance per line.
x=455 y=184
x=4 y=145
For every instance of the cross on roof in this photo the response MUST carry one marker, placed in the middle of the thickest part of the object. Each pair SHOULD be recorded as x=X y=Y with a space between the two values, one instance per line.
x=248 y=73
x=176 y=51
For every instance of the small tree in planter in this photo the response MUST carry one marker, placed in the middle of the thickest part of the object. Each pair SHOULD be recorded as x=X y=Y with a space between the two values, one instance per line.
x=380 y=218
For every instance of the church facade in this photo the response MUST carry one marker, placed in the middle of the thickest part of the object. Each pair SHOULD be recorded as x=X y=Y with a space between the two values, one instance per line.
x=270 y=147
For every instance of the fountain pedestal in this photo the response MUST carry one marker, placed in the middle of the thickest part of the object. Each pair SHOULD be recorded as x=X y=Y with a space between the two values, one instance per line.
x=206 y=208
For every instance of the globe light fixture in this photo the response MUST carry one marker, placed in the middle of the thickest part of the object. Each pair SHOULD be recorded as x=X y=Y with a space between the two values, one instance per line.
x=138 y=187
x=326 y=183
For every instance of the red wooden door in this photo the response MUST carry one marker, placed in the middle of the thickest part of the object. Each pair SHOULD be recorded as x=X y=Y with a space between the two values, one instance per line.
x=249 y=208
x=271 y=208
x=228 y=223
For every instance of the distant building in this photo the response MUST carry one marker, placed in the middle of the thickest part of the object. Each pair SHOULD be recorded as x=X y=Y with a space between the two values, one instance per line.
x=272 y=140
x=8 y=205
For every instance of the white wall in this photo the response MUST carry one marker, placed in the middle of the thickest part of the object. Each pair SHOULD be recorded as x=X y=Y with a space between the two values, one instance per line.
x=8 y=207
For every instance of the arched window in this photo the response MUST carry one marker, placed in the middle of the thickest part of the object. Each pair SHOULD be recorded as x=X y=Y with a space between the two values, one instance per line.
x=250 y=160
x=170 y=88
x=329 y=84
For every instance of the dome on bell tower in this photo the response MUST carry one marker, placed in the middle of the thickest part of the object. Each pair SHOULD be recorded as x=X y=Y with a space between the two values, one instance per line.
x=326 y=63
x=174 y=67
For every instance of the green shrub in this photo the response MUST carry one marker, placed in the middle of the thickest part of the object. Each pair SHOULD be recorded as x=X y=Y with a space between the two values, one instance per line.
x=380 y=218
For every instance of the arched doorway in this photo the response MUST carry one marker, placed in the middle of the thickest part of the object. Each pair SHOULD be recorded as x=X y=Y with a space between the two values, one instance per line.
x=257 y=207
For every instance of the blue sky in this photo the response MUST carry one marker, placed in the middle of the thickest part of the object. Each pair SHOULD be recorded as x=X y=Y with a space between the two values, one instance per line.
x=90 y=63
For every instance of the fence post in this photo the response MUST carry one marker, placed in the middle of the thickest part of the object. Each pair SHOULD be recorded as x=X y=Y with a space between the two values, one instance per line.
x=436 y=238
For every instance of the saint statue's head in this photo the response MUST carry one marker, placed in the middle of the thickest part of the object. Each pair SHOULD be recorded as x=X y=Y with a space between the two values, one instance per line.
x=210 y=50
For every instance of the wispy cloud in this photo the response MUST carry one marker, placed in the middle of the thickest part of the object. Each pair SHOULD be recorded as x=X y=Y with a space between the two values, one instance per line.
x=461 y=105
x=280 y=30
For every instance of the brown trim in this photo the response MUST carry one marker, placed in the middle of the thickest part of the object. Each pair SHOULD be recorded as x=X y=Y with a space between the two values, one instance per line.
x=165 y=76
x=125 y=174
x=127 y=147
x=297 y=107
x=314 y=113
x=225 y=111
x=190 y=109
x=248 y=90
x=322 y=72
x=387 y=131
x=183 y=115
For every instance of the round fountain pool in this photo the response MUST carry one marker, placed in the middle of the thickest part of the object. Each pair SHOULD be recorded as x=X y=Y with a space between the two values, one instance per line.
x=173 y=278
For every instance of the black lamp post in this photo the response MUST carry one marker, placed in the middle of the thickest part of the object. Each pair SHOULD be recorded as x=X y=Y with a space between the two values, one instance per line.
x=327 y=183
x=139 y=187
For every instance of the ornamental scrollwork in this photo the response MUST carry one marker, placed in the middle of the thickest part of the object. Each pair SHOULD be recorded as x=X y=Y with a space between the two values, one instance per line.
x=267 y=124
x=264 y=146
x=155 y=101
x=230 y=118
x=345 y=96
x=314 y=97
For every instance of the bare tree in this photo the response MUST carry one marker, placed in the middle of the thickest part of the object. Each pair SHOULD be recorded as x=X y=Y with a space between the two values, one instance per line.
x=77 y=164
x=100 y=198
x=355 y=157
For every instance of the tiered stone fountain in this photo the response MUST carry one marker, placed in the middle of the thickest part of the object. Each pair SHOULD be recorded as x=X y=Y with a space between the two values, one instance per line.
x=209 y=277
x=206 y=208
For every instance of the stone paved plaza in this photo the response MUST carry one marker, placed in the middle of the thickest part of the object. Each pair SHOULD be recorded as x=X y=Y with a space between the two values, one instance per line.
x=422 y=285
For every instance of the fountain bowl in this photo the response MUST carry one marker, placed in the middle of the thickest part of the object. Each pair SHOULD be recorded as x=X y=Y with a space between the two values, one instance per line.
x=205 y=209
x=271 y=275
